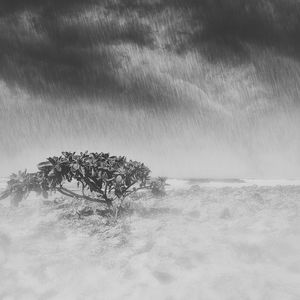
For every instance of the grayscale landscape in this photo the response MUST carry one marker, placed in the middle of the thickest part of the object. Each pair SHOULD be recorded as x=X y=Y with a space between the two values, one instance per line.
x=203 y=93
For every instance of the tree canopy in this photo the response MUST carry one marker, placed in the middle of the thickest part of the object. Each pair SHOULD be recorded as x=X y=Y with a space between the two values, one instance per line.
x=100 y=178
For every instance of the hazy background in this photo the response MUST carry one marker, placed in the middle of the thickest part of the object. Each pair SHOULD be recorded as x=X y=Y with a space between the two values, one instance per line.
x=193 y=88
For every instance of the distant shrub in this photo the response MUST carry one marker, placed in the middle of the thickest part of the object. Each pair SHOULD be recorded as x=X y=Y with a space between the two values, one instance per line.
x=100 y=177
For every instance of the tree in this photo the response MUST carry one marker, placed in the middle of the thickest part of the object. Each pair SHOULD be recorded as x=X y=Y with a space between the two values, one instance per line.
x=101 y=178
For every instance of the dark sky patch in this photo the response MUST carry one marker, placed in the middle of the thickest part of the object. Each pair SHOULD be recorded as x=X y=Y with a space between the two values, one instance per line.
x=67 y=48
x=229 y=25
x=53 y=51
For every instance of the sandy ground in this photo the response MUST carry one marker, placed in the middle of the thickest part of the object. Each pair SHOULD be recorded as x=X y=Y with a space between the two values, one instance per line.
x=205 y=240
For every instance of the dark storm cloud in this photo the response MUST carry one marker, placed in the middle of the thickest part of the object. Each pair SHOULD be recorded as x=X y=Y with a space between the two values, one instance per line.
x=230 y=24
x=66 y=47
x=50 y=48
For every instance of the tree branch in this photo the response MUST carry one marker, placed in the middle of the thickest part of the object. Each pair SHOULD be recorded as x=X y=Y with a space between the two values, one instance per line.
x=69 y=193
x=4 y=195
x=82 y=188
x=137 y=189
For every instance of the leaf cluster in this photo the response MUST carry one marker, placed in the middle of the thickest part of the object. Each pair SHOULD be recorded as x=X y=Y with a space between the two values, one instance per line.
x=100 y=177
x=21 y=184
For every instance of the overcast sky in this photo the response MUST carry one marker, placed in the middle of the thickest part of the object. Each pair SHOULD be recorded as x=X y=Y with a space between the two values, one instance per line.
x=64 y=48
x=214 y=82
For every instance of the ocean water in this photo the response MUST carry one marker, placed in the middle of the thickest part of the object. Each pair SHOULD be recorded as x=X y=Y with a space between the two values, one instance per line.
x=207 y=239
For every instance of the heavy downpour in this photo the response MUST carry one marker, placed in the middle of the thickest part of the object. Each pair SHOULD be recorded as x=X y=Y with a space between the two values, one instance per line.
x=150 y=149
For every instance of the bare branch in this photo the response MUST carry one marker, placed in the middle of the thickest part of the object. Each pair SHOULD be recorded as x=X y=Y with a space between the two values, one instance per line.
x=4 y=195
x=69 y=193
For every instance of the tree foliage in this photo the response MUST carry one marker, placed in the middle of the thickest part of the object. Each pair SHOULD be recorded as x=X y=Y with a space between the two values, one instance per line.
x=100 y=178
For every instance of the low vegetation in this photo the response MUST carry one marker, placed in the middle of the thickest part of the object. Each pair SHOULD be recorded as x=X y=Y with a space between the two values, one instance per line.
x=100 y=178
